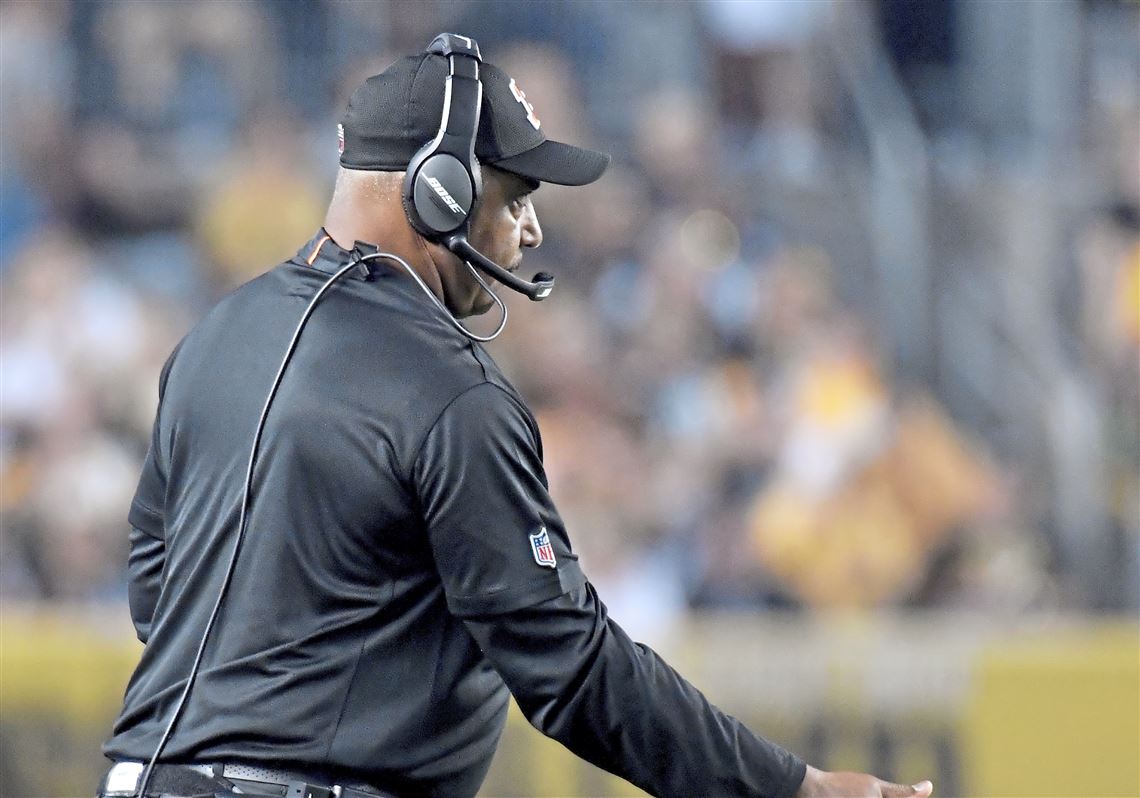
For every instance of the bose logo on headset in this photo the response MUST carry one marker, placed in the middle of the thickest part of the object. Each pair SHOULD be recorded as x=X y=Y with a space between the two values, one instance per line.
x=442 y=192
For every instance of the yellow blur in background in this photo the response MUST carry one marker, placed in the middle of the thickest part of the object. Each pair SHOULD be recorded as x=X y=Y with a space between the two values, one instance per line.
x=1049 y=708
x=1057 y=714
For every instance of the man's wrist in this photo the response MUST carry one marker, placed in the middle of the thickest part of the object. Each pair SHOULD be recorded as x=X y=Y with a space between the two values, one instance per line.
x=807 y=788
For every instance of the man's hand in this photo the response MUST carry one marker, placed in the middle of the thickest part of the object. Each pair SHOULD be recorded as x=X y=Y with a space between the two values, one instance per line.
x=821 y=784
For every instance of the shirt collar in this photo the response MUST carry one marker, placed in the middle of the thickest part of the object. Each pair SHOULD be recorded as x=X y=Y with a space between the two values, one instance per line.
x=325 y=255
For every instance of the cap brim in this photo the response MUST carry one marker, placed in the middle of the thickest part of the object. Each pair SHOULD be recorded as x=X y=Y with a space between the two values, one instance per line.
x=555 y=162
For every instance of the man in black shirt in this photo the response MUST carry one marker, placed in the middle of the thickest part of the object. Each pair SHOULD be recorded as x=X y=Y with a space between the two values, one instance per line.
x=401 y=565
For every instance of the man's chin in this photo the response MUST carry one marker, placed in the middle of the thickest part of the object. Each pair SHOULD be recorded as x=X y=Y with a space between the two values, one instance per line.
x=483 y=304
x=478 y=307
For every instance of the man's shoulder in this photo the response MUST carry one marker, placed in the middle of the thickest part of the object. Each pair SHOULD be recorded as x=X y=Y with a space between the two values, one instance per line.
x=237 y=300
x=494 y=375
x=462 y=368
x=465 y=378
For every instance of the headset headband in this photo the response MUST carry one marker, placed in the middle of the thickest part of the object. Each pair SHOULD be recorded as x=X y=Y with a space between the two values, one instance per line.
x=442 y=182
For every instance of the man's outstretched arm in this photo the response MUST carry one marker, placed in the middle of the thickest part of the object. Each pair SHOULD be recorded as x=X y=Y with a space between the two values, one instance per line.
x=582 y=681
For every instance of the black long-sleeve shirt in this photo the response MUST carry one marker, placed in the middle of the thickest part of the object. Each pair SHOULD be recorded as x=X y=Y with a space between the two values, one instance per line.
x=403 y=567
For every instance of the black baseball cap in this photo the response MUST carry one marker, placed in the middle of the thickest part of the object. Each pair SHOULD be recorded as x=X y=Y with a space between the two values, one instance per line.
x=393 y=114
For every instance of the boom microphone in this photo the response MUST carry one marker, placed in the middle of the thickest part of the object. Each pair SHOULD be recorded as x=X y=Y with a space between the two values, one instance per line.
x=537 y=289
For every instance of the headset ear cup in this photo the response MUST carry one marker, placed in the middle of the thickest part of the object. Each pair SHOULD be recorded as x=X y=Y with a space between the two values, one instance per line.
x=443 y=180
x=441 y=195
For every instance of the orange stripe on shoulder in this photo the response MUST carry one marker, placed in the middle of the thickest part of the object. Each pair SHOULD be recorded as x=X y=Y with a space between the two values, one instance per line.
x=317 y=249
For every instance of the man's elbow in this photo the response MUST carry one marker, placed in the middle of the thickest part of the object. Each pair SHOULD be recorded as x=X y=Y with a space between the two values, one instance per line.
x=142 y=603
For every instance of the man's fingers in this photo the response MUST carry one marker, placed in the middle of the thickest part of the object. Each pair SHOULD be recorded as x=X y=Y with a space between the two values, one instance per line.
x=921 y=790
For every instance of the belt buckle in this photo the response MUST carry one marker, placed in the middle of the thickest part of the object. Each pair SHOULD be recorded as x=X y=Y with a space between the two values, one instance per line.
x=348 y=792
x=122 y=778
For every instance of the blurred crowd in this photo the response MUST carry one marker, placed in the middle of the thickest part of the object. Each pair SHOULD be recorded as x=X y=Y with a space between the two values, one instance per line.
x=726 y=419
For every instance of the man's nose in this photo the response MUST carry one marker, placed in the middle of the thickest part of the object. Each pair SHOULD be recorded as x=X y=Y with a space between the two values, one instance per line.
x=531 y=229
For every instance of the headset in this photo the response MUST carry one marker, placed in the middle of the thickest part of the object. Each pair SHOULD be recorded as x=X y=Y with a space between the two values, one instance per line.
x=443 y=181
x=441 y=187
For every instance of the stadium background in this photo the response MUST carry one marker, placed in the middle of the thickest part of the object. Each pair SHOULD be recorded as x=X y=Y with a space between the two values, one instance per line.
x=839 y=388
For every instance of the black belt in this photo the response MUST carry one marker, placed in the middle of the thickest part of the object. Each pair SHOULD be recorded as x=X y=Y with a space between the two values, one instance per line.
x=123 y=777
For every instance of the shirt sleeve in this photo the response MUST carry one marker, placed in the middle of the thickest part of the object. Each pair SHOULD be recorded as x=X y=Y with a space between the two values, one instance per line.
x=144 y=572
x=148 y=526
x=148 y=505
x=581 y=680
x=146 y=512
x=497 y=540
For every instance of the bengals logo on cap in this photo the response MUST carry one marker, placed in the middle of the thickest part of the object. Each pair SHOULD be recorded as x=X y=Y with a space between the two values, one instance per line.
x=520 y=95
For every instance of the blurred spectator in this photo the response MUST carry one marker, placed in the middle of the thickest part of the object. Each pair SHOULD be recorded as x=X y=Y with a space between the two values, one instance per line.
x=767 y=93
x=77 y=347
x=35 y=109
x=264 y=202
x=1109 y=289
x=867 y=487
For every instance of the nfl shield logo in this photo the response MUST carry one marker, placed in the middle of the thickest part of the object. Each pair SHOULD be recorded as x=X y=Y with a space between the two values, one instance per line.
x=543 y=551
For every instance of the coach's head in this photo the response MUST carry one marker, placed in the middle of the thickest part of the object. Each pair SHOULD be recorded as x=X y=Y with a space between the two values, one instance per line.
x=394 y=117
